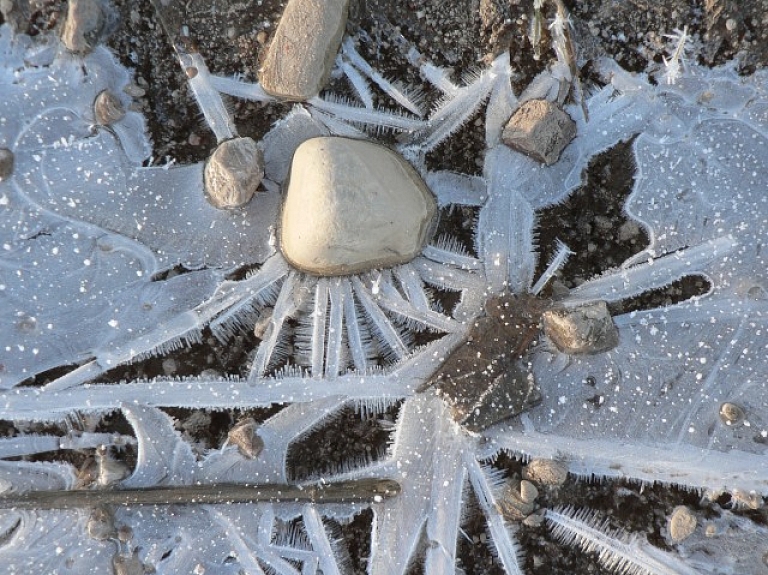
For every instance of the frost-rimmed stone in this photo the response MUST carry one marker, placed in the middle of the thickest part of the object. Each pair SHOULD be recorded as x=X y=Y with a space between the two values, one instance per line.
x=586 y=329
x=539 y=129
x=303 y=50
x=353 y=206
x=233 y=173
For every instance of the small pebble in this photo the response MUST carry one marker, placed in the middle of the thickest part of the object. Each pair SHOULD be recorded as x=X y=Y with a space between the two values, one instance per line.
x=107 y=108
x=303 y=50
x=244 y=436
x=539 y=129
x=546 y=472
x=233 y=173
x=681 y=524
x=586 y=329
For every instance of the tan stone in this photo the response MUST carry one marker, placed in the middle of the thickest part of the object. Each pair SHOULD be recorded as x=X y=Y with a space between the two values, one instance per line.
x=681 y=524
x=353 y=206
x=546 y=472
x=107 y=108
x=233 y=173
x=303 y=50
x=84 y=25
x=539 y=129
x=244 y=436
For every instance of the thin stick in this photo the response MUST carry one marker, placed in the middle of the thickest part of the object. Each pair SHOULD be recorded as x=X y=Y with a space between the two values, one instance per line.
x=362 y=491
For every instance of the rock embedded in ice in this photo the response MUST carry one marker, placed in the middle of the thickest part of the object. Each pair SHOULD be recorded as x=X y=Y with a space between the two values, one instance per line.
x=681 y=524
x=353 y=206
x=303 y=50
x=233 y=173
x=84 y=25
x=539 y=129
x=585 y=329
x=546 y=472
x=6 y=163
x=107 y=108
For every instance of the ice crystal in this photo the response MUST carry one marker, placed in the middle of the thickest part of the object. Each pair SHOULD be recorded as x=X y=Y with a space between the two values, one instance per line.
x=88 y=235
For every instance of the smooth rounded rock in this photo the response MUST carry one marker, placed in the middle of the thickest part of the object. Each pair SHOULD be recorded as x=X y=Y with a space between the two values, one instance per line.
x=352 y=206
x=107 y=108
x=302 y=52
x=681 y=524
x=233 y=173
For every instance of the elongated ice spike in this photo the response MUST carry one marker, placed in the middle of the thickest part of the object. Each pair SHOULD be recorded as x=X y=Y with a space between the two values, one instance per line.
x=685 y=465
x=501 y=538
x=656 y=273
x=355 y=114
x=412 y=286
x=357 y=347
x=388 y=332
x=32 y=444
x=238 y=89
x=459 y=189
x=451 y=257
x=391 y=299
x=216 y=114
x=357 y=81
x=285 y=307
x=318 y=536
x=436 y=76
x=455 y=111
x=555 y=264
x=319 y=319
x=625 y=555
x=333 y=358
x=391 y=88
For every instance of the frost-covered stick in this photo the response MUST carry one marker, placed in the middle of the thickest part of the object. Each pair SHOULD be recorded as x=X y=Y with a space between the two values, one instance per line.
x=360 y=491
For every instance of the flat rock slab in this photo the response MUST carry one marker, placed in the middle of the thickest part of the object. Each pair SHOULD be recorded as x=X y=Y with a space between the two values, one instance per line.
x=301 y=55
x=539 y=129
x=352 y=206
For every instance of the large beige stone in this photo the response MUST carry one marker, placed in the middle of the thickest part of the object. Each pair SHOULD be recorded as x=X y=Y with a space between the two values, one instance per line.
x=302 y=52
x=353 y=206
